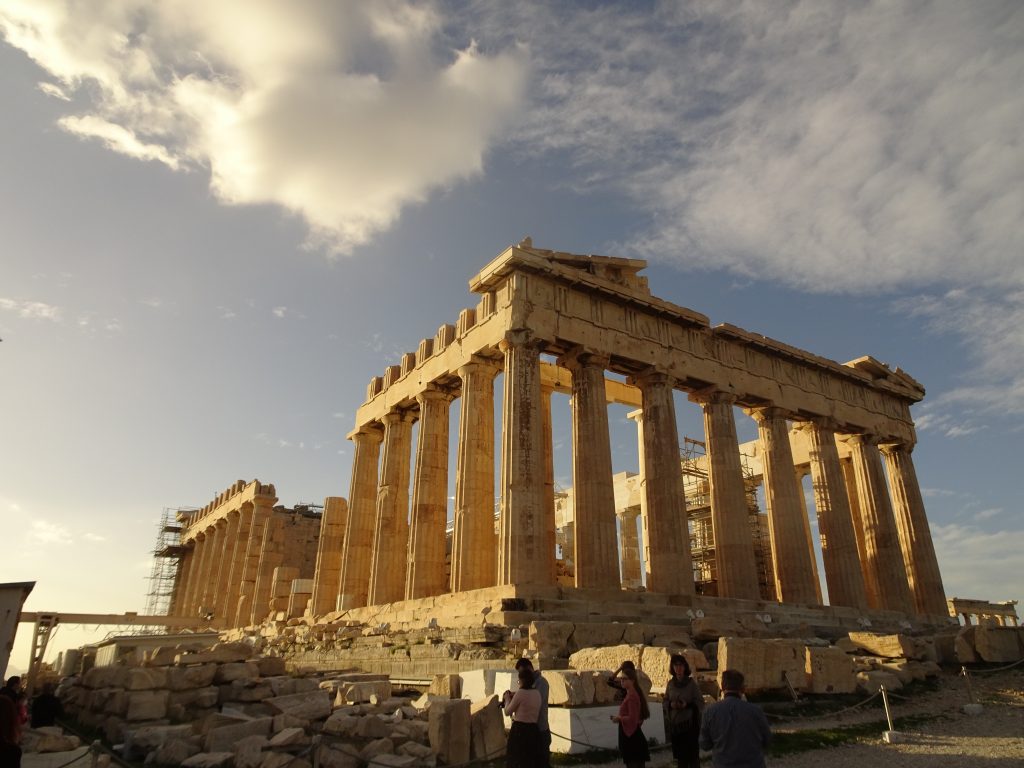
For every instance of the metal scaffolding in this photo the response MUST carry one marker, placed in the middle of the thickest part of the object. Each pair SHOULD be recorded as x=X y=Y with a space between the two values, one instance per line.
x=702 y=536
x=163 y=579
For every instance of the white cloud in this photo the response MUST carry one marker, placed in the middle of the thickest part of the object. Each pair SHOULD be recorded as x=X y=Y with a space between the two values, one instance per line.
x=835 y=147
x=44 y=532
x=975 y=563
x=340 y=113
x=94 y=537
x=988 y=514
x=279 y=311
x=827 y=145
x=117 y=138
x=33 y=310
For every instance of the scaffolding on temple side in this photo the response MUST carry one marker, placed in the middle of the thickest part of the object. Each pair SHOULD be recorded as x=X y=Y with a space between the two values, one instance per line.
x=167 y=552
x=697 y=491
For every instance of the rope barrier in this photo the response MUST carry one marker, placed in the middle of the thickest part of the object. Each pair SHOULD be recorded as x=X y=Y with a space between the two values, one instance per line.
x=997 y=669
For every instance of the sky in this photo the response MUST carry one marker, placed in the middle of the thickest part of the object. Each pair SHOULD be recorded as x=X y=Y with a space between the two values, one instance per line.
x=219 y=220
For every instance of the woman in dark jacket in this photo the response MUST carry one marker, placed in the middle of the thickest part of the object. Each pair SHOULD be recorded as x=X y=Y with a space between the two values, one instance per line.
x=682 y=708
x=10 y=734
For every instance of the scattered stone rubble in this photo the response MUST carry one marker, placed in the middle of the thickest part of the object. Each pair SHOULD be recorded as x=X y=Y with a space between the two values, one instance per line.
x=228 y=706
x=225 y=707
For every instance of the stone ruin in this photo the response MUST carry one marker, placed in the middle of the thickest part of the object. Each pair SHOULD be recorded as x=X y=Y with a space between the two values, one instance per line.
x=557 y=322
x=673 y=559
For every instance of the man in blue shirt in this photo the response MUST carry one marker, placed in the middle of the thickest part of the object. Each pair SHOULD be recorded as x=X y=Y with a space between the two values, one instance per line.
x=734 y=729
x=542 y=721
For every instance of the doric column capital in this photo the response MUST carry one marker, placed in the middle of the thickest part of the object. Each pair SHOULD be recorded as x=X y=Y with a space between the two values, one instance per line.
x=479 y=364
x=520 y=338
x=435 y=393
x=652 y=376
x=763 y=413
x=579 y=357
x=367 y=432
x=712 y=396
x=859 y=438
x=825 y=423
x=890 y=448
x=398 y=417
x=628 y=514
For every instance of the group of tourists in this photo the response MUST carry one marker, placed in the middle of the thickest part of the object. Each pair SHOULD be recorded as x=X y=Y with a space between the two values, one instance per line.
x=734 y=730
x=14 y=715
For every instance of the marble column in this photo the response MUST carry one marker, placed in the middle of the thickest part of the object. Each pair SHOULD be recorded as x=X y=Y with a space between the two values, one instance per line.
x=474 y=550
x=915 y=535
x=362 y=499
x=426 y=575
x=391 y=526
x=886 y=572
x=801 y=473
x=629 y=544
x=328 y=556
x=663 y=504
x=850 y=480
x=839 y=553
x=181 y=582
x=730 y=516
x=214 y=542
x=522 y=559
x=787 y=521
x=593 y=489
x=221 y=599
x=547 y=442
x=271 y=558
x=189 y=606
x=248 y=611
x=237 y=567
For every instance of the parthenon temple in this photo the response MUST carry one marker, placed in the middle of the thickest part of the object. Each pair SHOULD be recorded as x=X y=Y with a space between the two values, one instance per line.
x=682 y=530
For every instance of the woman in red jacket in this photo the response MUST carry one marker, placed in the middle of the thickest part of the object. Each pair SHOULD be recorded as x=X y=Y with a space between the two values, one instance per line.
x=632 y=712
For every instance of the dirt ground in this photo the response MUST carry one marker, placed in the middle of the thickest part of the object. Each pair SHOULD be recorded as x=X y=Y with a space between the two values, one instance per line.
x=933 y=730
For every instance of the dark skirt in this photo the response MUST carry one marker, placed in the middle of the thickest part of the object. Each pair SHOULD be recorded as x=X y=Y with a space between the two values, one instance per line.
x=634 y=748
x=685 y=748
x=525 y=749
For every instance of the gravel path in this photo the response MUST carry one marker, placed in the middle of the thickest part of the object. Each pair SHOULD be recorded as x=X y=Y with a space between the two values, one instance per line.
x=944 y=735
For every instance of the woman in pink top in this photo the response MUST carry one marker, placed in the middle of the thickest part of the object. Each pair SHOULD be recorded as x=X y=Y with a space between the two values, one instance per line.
x=632 y=712
x=524 y=744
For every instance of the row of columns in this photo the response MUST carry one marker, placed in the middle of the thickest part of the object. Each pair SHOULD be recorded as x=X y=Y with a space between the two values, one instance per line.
x=219 y=572
x=875 y=554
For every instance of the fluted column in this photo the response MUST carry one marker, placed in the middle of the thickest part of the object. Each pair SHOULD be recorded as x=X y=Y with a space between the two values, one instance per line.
x=794 y=565
x=181 y=583
x=593 y=488
x=362 y=498
x=189 y=606
x=214 y=542
x=237 y=563
x=474 y=550
x=835 y=521
x=326 y=578
x=248 y=610
x=523 y=540
x=426 y=575
x=391 y=526
x=666 y=532
x=915 y=535
x=734 y=546
x=550 y=532
x=629 y=546
x=221 y=598
x=805 y=518
x=887 y=575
